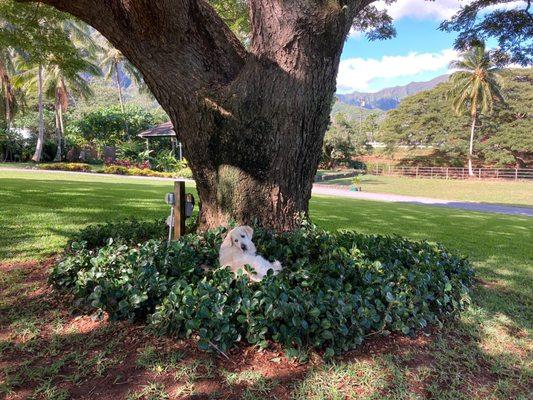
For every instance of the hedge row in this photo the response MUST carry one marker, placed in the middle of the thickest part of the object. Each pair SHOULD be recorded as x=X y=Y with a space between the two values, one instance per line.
x=336 y=288
x=60 y=166
x=121 y=170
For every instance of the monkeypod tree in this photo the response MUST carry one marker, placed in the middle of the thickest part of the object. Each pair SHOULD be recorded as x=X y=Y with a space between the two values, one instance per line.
x=251 y=114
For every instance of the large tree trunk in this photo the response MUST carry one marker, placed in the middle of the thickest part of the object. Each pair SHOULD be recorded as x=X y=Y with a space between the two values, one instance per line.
x=40 y=139
x=251 y=121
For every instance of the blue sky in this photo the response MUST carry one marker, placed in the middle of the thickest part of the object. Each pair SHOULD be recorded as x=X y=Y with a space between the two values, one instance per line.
x=419 y=52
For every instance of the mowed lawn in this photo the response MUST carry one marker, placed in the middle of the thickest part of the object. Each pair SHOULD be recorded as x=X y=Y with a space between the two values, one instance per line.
x=486 y=354
x=484 y=191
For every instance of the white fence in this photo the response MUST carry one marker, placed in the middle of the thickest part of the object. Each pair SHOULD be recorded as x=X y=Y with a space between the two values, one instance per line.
x=451 y=172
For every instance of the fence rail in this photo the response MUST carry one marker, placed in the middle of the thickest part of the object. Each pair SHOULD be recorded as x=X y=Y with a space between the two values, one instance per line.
x=451 y=172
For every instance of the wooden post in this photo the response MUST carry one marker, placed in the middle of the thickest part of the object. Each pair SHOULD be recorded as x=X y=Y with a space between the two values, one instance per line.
x=447 y=174
x=516 y=173
x=179 y=209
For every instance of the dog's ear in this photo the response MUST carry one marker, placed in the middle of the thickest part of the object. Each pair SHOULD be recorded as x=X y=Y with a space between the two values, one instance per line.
x=249 y=231
x=227 y=240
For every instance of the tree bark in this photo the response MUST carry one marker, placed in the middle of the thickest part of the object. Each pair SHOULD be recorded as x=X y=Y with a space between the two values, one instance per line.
x=9 y=97
x=471 y=148
x=40 y=139
x=121 y=100
x=119 y=88
x=59 y=130
x=251 y=121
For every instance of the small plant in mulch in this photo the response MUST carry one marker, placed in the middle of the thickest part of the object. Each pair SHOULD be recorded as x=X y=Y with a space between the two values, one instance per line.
x=336 y=289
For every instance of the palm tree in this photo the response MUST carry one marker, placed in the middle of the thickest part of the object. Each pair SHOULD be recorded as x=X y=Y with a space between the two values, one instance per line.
x=7 y=70
x=114 y=64
x=63 y=81
x=58 y=76
x=475 y=87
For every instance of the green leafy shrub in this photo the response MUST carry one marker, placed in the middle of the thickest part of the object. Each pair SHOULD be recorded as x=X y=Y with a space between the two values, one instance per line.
x=129 y=231
x=335 y=289
x=115 y=169
x=111 y=125
x=183 y=173
x=80 y=167
x=121 y=170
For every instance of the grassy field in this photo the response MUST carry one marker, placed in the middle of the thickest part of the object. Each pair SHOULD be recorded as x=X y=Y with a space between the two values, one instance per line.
x=486 y=354
x=485 y=191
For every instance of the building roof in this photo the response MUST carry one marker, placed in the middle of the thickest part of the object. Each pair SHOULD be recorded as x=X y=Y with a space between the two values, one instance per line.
x=165 y=129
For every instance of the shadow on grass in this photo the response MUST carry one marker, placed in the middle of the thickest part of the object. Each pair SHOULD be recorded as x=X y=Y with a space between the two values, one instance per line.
x=39 y=216
x=45 y=348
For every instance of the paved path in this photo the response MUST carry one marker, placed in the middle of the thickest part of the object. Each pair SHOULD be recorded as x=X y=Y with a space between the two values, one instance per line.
x=464 y=205
x=332 y=191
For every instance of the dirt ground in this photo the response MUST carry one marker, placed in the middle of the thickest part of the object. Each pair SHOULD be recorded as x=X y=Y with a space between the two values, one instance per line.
x=48 y=350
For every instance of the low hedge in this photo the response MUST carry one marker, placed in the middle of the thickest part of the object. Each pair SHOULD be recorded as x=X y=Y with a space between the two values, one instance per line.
x=335 y=289
x=130 y=231
x=80 y=167
x=121 y=170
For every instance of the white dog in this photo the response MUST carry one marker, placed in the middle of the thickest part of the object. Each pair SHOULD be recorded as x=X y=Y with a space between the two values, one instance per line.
x=238 y=250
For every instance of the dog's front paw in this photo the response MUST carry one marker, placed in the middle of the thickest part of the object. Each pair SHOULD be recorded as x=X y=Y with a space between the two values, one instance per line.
x=276 y=266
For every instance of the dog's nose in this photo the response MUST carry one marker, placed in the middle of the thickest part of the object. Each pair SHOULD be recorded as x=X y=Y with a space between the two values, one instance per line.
x=243 y=247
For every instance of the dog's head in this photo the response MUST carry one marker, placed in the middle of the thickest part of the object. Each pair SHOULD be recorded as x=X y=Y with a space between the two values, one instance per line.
x=240 y=238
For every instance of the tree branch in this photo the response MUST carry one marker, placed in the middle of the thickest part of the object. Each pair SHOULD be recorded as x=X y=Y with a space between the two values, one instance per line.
x=185 y=39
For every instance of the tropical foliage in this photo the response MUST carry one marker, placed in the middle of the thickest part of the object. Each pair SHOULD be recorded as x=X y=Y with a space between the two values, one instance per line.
x=510 y=23
x=427 y=119
x=475 y=86
x=343 y=140
x=336 y=289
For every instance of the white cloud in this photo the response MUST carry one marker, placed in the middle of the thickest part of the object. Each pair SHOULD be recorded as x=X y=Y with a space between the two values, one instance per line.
x=358 y=73
x=437 y=10
x=422 y=9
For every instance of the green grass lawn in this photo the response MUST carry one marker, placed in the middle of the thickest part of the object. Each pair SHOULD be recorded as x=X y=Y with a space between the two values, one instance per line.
x=485 y=191
x=486 y=354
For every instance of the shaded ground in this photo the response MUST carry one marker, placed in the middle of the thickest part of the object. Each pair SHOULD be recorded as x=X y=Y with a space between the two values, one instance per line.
x=49 y=351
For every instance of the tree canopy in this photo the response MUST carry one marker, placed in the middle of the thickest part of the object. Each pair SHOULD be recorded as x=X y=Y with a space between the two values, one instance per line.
x=510 y=23
x=504 y=138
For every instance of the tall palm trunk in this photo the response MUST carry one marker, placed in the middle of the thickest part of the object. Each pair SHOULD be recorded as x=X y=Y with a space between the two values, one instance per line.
x=121 y=100
x=8 y=95
x=9 y=116
x=40 y=139
x=119 y=87
x=59 y=130
x=471 y=149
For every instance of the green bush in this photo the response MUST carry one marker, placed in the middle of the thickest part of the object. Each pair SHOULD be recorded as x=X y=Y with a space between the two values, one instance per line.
x=111 y=126
x=80 y=167
x=335 y=289
x=116 y=169
x=129 y=231
x=121 y=170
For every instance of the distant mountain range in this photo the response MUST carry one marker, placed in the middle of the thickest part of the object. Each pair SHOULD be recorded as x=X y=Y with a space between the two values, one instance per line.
x=388 y=98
